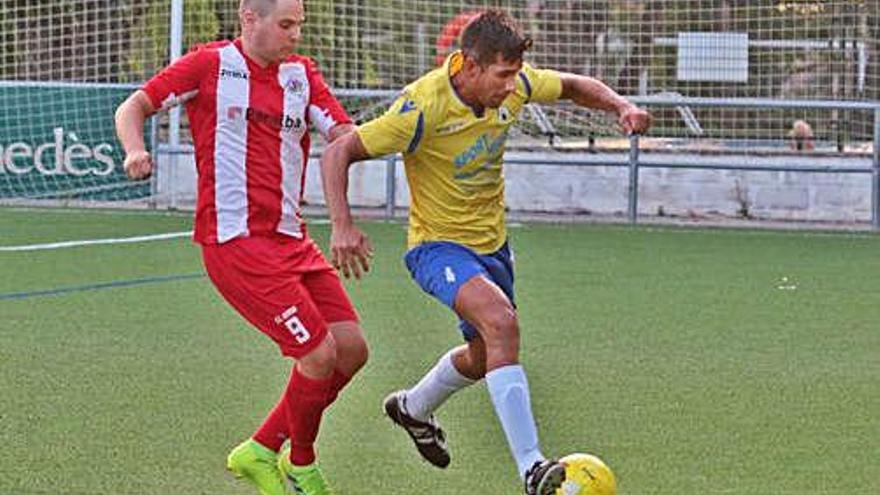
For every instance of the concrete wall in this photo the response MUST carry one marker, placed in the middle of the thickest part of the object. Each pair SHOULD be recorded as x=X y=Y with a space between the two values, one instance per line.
x=602 y=189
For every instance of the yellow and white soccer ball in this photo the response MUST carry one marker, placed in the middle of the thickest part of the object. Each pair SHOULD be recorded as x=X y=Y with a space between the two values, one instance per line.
x=586 y=474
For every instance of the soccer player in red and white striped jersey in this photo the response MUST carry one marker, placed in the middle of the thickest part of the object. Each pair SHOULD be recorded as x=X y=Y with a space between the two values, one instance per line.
x=250 y=104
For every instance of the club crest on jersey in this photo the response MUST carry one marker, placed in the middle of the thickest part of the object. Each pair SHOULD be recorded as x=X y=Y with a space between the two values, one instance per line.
x=503 y=113
x=295 y=86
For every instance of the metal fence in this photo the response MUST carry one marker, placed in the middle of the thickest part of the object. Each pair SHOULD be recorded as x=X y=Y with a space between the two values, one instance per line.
x=634 y=160
x=772 y=66
x=873 y=170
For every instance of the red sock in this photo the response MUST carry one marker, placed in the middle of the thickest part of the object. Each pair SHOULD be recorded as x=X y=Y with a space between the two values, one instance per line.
x=306 y=400
x=339 y=382
x=273 y=432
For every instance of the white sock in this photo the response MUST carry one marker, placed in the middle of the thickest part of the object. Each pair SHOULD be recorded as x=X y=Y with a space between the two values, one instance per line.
x=435 y=387
x=510 y=395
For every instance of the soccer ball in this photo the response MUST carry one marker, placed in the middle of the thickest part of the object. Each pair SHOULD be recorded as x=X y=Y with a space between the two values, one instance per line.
x=586 y=474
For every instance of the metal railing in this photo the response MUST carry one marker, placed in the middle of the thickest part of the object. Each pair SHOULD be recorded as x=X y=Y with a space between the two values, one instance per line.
x=634 y=162
x=873 y=170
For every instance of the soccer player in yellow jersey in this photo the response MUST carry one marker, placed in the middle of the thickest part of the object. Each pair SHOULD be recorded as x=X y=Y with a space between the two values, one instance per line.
x=451 y=126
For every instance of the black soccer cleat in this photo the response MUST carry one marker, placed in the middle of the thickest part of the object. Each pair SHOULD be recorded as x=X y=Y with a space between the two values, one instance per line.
x=428 y=436
x=544 y=477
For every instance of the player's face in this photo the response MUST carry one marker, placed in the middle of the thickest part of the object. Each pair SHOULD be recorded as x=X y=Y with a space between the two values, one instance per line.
x=497 y=81
x=279 y=32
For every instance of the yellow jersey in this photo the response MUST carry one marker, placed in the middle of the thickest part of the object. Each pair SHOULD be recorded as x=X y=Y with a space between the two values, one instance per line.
x=453 y=156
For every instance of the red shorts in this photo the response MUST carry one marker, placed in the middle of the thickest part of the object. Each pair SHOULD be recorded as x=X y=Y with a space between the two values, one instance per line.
x=282 y=285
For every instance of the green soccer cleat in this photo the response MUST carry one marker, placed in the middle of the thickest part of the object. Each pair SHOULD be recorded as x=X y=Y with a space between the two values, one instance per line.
x=305 y=480
x=259 y=465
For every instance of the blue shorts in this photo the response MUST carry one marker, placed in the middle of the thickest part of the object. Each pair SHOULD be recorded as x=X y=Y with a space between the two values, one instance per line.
x=441 y=268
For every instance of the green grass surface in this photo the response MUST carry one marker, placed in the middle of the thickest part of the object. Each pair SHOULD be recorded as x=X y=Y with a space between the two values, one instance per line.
x=681 y=357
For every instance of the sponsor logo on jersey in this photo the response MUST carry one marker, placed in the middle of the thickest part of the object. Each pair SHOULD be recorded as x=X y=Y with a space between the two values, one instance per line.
x=486 y=143
x=449 y=127
x=232 y=74
x=289 y=123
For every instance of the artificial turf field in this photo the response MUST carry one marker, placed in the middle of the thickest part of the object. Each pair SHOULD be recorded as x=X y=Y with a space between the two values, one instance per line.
x=695 y=362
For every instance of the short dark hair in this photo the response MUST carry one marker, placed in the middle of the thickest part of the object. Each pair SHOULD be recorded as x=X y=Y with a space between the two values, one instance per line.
x=261 y=7
x=491 y=33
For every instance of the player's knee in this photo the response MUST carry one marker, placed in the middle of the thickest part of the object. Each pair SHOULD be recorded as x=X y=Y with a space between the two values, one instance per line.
x=500 y=331
x=501 y=324
x=356 y=354
x=321 y=361
x=352 y=351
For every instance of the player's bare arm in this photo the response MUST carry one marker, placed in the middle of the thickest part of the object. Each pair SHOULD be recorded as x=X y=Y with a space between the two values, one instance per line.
x=350 y=248
x=130 y=118
x=338 y=131
x=592 y=93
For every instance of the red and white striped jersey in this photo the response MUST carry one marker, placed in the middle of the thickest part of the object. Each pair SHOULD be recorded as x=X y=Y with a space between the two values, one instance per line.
x=250 y=129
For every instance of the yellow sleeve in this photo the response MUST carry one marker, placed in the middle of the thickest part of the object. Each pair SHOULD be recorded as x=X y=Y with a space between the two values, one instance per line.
x=400 y=129
x=541 y=85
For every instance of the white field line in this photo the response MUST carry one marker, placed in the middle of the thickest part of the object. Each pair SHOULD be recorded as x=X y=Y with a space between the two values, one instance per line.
x=93 y=242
